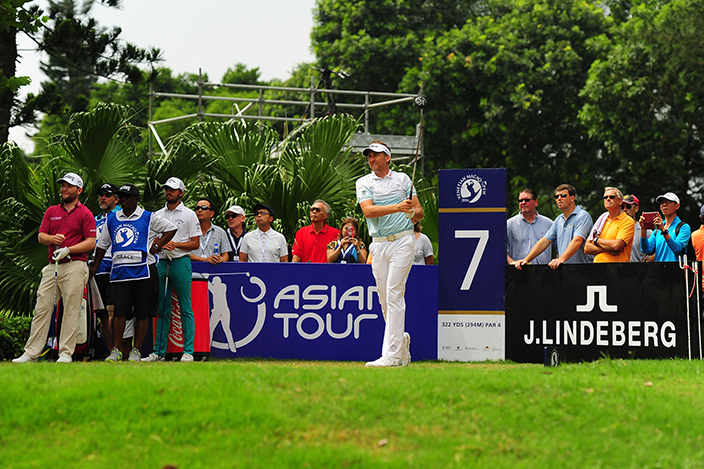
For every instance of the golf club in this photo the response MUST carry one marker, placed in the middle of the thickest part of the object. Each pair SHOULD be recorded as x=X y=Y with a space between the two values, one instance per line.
x=51 y=341
x=420 y=102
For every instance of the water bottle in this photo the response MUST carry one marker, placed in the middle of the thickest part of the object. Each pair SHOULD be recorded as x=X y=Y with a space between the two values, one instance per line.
x=216 y=250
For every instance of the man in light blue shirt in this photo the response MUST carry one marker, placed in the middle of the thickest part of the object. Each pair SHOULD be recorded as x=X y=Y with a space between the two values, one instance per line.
x=525 y=229
x=569 y=231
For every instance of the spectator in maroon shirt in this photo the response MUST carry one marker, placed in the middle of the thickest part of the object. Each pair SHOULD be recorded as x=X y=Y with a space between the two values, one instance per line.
x=69 y=231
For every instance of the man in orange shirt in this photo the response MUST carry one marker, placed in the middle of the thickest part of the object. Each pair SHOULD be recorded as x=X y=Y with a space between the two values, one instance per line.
x=612 y=235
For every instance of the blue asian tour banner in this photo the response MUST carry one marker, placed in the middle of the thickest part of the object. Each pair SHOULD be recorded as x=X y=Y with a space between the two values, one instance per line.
x=311 y=311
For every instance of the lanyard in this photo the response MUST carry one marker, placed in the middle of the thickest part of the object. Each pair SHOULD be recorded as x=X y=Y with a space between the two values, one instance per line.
x=235 y=245
x=202 y=247
x=261 y=245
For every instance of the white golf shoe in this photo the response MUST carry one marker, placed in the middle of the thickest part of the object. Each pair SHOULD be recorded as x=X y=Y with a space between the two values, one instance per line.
x=64 y=359
x=153 y=357
x=406 y=350
x=24 y=358
x=385 y=362
x=186 y=357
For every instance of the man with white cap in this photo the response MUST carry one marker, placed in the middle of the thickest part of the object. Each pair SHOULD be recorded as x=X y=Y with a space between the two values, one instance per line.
x=670 y=237
x=175 y=263
x=390 y=205
x=235 y=230
x=69 y=231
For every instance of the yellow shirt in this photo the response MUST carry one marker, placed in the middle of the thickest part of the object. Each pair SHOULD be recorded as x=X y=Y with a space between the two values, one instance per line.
x=621 y=227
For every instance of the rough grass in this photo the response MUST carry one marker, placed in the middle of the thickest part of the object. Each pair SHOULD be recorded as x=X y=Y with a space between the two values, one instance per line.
x=249 y=413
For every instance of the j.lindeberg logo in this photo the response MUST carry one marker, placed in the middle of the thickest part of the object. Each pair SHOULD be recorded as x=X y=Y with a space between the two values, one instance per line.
x=471 y=188
x=603 y=332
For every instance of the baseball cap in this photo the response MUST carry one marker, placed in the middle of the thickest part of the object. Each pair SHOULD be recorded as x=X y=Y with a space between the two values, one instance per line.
x=630 y=199
x=73 y=179
x=236 y=209
x=107 y=188
x=258 y=207
x=174 y=183
x=376 y=147
x=128 y=190
x=668 y=196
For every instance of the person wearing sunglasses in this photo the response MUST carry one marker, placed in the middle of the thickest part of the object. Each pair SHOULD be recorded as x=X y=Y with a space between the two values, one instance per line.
x=630 y=207
x=235 y=230
x=131 y=235
x=311 y=242
x=524 y=230
x=213 y=238
x=611 y=238
x=568 y=232
x=264 y=244
x=670 y=236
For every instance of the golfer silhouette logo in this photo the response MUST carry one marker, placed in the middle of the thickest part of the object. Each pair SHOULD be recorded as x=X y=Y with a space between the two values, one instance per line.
x=471 y=188
x=220 y=314
x=125 y=236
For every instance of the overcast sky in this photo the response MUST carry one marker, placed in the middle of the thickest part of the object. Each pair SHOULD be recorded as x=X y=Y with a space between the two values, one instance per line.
x=212 y=35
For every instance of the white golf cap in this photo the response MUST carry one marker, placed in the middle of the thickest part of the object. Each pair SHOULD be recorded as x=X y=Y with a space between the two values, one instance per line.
x=668 y=196
x=236 y=209
x=376 y=147
x=73 y=179
x=174 y=183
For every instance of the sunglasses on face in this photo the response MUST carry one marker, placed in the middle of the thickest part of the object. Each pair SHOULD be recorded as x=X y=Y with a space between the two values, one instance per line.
x=262 y=213
x=202 y=207
x=612 y=197
x=561 y=196
x=316 y=209
x=228 y=216
x=520 y=201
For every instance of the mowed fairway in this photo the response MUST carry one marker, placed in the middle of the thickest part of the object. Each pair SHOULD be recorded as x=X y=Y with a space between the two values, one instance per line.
x=261 y=414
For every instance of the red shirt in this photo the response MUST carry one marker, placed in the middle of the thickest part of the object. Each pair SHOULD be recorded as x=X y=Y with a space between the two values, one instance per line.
x=76 y=225
x=311 y=246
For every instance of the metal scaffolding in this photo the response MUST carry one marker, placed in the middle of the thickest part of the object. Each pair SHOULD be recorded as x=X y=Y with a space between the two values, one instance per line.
x=402 y=146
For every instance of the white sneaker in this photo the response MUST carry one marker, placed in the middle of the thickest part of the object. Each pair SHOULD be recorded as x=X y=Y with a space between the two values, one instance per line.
x=24 y=358
x=186 y=357
x=153 y=357
x=64 y=359
x=135 y=355
x=385 y=362
x=406 y=349
x=115 y=355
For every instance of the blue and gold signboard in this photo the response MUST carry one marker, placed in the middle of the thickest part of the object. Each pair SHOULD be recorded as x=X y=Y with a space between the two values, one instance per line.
x=471 y=274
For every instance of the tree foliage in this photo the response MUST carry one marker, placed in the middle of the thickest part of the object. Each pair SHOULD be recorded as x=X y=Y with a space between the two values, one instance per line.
x=644 y=102
x=74 y=42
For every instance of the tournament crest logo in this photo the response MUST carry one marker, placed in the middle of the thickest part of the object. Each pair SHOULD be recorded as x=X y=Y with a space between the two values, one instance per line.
x=126 y=235
x=471 y=188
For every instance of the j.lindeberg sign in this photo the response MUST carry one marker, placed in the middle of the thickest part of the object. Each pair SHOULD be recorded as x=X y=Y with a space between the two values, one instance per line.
x=594 y=310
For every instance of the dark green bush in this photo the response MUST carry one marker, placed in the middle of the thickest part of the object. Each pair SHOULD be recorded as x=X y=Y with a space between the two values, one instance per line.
x=14 y=332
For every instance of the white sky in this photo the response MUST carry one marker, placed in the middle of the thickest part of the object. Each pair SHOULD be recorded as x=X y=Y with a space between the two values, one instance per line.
x=212 y=35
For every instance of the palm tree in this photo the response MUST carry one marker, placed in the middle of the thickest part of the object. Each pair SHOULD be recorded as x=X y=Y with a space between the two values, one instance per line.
x=241 y=165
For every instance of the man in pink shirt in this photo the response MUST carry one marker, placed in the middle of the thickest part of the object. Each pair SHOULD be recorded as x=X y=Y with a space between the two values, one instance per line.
x=69 y=231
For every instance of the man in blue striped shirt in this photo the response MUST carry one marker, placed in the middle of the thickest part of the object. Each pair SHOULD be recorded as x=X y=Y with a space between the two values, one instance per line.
x=390 y=205
x=569 y=231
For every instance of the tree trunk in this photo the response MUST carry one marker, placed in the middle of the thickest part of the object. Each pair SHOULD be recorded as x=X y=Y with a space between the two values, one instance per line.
x=8 y=61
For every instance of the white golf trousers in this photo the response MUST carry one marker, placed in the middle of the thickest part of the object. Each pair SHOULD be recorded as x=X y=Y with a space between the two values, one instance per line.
x=391 y=264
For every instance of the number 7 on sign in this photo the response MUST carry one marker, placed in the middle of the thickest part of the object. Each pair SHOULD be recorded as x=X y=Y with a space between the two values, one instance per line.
x=483 y=236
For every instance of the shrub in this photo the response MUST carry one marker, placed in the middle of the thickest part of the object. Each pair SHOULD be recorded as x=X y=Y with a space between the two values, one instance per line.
x=14 y=332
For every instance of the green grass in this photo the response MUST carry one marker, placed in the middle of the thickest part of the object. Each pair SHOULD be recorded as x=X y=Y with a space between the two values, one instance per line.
x=252 y=414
